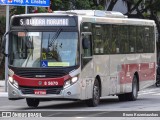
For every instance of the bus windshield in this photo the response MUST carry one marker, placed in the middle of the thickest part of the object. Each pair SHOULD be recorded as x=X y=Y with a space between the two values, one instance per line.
x=43 y=49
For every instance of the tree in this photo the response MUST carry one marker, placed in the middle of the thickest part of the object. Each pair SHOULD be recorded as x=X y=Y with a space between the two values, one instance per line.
x=2 y=24
x=2 y=31
x=140 y=9
x=76 y=4
x=147 y=12
x=21 y=10
x=111 y=4
x=88 y=4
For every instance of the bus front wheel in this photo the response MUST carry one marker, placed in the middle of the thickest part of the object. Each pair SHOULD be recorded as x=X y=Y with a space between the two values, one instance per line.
x=94 y=101
x=32 y=102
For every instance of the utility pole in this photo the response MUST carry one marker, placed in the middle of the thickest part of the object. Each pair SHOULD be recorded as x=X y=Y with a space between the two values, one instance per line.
x=6 y=50
x=26 y=9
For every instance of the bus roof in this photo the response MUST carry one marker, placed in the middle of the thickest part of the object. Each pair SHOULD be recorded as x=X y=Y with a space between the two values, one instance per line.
x=98 y=13
x=94 y=16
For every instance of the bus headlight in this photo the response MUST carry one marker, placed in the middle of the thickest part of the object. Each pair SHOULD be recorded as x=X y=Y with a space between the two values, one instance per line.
x=10 y=79
x=70 y=82
x=13 y=82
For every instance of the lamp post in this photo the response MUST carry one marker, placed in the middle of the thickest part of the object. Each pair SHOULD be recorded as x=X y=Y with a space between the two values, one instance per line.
x=6 y=50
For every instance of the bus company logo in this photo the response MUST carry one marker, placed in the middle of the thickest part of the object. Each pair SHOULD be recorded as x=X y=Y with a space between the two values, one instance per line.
x=6 y=114
x=40 y=83
x=40 y=76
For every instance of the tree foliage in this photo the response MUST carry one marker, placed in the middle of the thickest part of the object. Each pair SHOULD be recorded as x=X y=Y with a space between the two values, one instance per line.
x=21 y=10
x=76 y=4
x=140 y=9
x=2 y=24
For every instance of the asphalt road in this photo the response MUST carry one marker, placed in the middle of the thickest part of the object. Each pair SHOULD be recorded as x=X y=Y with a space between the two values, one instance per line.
x=148 y=102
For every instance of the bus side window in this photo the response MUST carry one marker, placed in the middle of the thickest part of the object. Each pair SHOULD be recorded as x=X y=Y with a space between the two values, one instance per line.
x=107 y=38
x=98 y=36
x=140 y=39
x=123 y=38
x=115 y=43
x=151 y=39
x=132 y=39
x=146 y=40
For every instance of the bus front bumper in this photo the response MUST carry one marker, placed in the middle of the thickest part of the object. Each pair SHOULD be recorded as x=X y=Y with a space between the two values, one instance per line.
x=71 y=92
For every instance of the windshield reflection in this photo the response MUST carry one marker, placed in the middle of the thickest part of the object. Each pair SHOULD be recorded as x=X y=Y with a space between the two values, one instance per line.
x=43 y=49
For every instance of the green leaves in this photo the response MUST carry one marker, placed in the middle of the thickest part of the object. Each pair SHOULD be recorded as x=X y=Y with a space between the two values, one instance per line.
x=75 y=4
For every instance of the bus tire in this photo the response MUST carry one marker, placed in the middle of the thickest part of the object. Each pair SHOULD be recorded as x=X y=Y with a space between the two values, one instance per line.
x=32 y=102
x=132 y=96
x=94 y=101
x=157 y=84
x=122 y=97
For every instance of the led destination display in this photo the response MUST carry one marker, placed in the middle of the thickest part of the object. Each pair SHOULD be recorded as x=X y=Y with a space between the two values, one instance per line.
x=43 y=21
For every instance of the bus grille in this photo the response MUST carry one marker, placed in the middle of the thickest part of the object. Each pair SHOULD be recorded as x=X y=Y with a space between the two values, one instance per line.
x=47 y=73
x=30 y=90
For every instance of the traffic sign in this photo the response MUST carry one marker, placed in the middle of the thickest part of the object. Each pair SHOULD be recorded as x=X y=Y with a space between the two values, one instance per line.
x=38 y=3
x=44 y=63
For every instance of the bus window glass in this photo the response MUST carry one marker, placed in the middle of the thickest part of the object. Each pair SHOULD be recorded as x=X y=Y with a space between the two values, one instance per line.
x=115 y=42
x=123 y=37
x=25 y=49
x=132 y=39
x=151 y=39
x=107 y=38
x=98 y=39
x=86 y=27
x=43 y=49
x=88 y=52
x=60 y=51
x=146 y=40
x=140 y=39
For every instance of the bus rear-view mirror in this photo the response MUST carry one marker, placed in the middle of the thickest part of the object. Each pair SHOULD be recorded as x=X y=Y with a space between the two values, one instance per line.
x=85 y=43
x=3 y=45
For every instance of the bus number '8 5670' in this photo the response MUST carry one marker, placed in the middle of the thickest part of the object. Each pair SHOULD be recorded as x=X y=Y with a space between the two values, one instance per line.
x=51 y=83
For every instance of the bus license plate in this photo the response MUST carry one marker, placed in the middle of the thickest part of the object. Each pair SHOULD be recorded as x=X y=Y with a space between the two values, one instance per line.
x=40 y=92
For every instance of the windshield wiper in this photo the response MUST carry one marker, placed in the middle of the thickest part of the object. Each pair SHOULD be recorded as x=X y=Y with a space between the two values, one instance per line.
x=29 y=44
x=54 y=37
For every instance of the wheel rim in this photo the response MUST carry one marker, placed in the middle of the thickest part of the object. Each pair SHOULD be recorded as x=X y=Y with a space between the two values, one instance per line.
x=96 y=94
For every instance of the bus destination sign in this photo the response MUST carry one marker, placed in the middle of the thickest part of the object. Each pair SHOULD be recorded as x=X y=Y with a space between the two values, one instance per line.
x=44 y=21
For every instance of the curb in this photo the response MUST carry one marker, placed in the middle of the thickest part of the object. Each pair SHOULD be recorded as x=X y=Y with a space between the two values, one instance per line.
x=3 y=94
x=2 y=88
x=2 y=83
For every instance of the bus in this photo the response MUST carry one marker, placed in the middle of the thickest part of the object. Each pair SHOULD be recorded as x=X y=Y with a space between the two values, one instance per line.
x=79 y=55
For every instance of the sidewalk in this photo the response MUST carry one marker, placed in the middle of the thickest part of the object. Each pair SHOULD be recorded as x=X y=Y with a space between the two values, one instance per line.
x=2 y=89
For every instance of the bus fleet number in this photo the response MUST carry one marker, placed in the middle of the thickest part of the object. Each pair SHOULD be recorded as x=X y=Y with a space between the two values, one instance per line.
x=51 y=83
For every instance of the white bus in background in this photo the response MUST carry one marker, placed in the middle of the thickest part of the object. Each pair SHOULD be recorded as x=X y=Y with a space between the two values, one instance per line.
x=80 y=55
